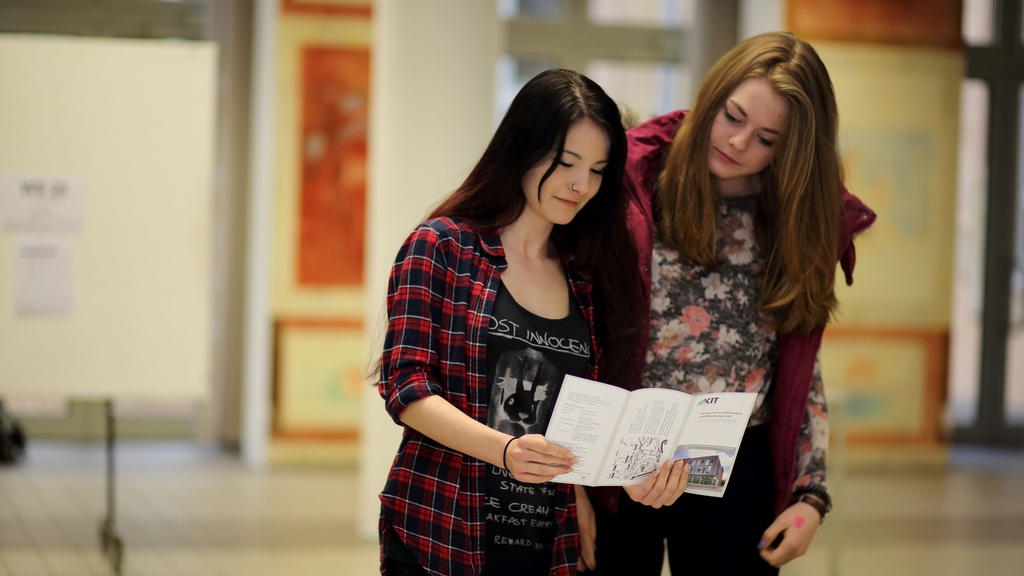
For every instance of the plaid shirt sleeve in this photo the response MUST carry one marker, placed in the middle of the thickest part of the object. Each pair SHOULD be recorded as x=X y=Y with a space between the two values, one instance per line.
x=410 y=367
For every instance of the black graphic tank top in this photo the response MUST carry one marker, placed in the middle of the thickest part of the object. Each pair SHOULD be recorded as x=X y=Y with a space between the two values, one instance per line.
x=527 y=357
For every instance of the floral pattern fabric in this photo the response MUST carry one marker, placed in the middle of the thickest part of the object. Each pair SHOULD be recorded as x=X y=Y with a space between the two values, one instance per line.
x=706 y=334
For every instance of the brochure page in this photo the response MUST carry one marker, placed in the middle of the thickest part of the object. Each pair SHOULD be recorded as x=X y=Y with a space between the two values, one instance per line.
x=711 y=438
x=584 y=420
x=646 y=437
x=621 y=437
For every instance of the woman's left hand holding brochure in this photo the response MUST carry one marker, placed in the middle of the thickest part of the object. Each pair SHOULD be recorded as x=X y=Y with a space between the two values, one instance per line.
x=663 y=487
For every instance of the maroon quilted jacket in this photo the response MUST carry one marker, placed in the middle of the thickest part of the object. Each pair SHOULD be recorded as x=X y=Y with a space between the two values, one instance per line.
x=648 y=143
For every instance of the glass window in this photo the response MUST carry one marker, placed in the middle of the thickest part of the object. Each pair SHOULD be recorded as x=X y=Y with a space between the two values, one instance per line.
x=979 y=22
x=1014 y=399
x=647 y=89
x=551 y=9
x=629 y=48
x=969 y=254
x=512 y=74
x=661 y=13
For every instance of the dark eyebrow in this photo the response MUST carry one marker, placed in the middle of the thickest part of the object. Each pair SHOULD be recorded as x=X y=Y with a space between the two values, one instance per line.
x=744 y=112
x=578 y=157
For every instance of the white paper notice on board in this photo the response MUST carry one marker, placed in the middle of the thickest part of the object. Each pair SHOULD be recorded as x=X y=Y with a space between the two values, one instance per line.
x=42 y=202
x=42 y=277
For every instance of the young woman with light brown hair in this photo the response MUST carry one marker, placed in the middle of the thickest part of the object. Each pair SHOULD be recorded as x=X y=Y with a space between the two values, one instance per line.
x=739 y=214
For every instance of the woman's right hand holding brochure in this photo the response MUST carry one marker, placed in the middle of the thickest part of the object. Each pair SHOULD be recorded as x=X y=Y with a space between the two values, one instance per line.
x=663 y=487
x=534 y=460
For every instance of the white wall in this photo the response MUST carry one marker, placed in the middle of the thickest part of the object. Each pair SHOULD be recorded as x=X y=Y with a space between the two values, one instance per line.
x=431 y=115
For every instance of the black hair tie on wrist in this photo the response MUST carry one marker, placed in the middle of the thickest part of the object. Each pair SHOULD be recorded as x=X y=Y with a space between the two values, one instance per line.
x=504 y=453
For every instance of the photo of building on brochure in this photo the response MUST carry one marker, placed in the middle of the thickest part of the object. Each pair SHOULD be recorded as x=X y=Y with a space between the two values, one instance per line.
x=709 y=469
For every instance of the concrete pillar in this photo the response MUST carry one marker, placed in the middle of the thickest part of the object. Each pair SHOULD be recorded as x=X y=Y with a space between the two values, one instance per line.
x=257 y=340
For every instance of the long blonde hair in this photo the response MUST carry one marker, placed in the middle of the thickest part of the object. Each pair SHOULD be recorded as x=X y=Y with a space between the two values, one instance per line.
x=800 y=199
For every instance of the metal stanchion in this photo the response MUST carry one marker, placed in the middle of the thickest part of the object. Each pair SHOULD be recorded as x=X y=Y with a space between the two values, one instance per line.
x=110 y=540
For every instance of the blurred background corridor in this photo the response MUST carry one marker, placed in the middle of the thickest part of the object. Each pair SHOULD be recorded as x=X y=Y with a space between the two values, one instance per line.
x=221 y=186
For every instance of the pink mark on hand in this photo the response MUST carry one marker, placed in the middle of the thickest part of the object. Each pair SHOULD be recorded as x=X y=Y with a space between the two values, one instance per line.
x=798 y=522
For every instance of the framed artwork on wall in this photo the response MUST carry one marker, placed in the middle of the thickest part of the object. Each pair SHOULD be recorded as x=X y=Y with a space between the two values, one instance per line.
x=894 y=382
x=934 y=23
x=328 y=7
x=319 y=379
x=889 y=346
x=335 y=92
x=320 y=183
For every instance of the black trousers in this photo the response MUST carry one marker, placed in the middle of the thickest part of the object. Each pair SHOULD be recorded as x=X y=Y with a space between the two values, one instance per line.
x=396 y=557
x=704 y=535
x=396 y=568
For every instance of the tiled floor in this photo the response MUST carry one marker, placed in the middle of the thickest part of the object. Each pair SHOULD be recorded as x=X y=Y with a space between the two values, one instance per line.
x=182 y=510
x=188 y=510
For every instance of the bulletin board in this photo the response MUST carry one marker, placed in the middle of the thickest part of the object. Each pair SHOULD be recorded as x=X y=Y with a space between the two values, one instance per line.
x=134 y=120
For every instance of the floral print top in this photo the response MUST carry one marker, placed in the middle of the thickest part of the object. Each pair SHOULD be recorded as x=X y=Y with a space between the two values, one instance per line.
x=708 y=336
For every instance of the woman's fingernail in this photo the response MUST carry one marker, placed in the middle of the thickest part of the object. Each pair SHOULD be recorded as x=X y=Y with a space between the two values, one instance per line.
x=761 y=545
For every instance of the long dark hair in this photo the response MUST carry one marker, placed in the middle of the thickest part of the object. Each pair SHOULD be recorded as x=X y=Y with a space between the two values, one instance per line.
x=492 y=196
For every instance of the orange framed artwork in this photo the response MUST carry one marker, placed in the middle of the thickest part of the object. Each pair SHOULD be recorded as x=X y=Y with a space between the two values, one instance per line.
x=335 y=86
x=934 y=23
x=328 y=7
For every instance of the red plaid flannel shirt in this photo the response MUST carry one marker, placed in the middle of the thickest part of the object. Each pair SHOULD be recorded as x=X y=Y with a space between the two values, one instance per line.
x=440 y=296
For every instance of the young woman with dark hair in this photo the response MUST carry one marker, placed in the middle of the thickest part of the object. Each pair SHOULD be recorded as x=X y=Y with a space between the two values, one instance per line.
x=524 y=274
x=740 y=216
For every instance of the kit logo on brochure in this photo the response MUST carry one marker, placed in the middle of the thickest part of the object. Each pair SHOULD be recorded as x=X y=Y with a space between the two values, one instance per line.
x=704 y=401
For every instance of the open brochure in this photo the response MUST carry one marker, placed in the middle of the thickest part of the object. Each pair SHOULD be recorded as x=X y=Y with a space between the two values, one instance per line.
x=620 y=437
